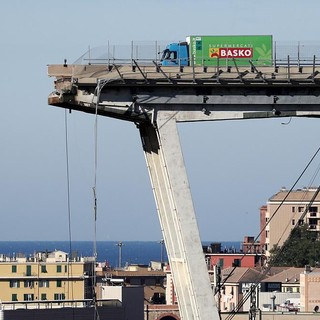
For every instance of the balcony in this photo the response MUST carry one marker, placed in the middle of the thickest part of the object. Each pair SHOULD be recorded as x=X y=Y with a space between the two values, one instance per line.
x=314 y=227
x=315 y=215
x=29 y=274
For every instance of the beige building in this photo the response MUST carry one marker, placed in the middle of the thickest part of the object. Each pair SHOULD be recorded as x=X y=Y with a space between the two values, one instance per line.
x=151 y=278
x=46 y=276
x=285 y=210
x=310 y=290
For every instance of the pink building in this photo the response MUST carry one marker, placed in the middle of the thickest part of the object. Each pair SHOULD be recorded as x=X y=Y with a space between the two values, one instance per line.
x=226 y=260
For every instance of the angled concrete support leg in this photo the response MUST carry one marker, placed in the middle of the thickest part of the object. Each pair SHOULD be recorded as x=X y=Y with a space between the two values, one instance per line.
x=177 y=218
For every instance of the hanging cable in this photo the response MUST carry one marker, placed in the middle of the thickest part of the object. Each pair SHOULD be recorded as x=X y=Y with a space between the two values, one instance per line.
x=276 y=211
x=274 y=259
x=261 y=276
x=69 y=270
x=95 y=208
x=94 y=188
x=246 y=297
x=98 y=89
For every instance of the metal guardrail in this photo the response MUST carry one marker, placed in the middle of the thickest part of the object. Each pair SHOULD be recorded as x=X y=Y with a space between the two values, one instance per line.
x=300 y=53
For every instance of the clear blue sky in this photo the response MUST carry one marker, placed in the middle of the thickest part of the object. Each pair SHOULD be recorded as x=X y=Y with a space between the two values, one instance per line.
x=233 y=167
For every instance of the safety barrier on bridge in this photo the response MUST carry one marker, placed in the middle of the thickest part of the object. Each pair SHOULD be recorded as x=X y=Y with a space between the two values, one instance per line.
x=69 y=76
x=299 y=53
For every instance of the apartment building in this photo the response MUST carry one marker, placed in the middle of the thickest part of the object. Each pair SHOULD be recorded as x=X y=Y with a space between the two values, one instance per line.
x=284 y=211
x=45 y=276
x=310 y=290
x=151 y=278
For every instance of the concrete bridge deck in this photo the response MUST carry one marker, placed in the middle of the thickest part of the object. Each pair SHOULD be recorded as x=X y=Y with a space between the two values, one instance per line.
x=88 y=74
x=155 y=99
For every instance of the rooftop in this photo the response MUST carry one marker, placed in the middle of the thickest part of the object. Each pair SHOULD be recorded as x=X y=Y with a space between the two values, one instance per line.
x=299 y=195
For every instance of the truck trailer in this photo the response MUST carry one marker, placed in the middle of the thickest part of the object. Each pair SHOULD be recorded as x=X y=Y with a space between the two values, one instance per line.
x=219 y=51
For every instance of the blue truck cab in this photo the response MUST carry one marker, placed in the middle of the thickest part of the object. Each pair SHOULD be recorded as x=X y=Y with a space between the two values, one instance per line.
x=175 y=54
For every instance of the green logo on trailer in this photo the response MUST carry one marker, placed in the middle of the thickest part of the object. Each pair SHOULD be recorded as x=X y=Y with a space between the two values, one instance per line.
x=207 y=50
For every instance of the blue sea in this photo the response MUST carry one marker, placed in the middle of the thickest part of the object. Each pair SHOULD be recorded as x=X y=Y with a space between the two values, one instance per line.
x=132 y=252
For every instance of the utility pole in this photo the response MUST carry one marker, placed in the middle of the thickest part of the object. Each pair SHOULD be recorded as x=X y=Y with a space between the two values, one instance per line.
x=120 y=245
x=161 y=250
x=253 y=311
x=217 y=285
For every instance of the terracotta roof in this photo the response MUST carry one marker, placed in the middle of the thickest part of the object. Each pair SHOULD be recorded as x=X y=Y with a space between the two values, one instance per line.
x=139 y=273
x=246 y=274
x=272 y=271
x=149 y=291
x=298 y=195
x=242 y=274
x=288 y=275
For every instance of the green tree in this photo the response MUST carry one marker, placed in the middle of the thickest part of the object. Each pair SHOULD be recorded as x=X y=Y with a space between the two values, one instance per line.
x=301 y=248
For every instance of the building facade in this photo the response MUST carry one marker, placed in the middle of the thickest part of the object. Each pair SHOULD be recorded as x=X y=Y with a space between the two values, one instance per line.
x=310 y=290
x=151 y=278
x=46 y=276
x=284 y=211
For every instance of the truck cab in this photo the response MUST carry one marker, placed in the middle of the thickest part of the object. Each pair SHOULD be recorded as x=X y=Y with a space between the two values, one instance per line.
x=175 y=54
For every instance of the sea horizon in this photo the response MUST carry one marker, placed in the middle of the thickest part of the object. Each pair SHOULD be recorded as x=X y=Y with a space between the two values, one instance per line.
x=132 y=252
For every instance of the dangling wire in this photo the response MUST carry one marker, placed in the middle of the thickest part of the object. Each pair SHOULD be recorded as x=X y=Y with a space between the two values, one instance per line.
x=95 y=208
x=94 y=188
x=69 y=207
x=101 y=84
x=247 y=295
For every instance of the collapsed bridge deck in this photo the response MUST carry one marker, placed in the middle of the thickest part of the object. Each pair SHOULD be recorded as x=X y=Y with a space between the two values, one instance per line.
x=156 y=98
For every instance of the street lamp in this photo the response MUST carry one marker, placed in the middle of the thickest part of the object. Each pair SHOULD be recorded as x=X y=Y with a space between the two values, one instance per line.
x=161 y=250
x=120 y=245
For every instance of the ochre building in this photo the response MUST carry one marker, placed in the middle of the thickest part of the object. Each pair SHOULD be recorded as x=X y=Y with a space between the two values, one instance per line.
x=46 y=276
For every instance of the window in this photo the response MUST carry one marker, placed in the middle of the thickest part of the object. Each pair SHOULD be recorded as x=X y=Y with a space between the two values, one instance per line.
x=28 y=283
x=43 y=296
x=28 y=297
x=28 y=271
x=236 y=263
x=44 y=269
x=44 y=283
x=14 y=284
x=313 y=223
x=59 y=268
x=59 y=283
x=221 y=263
x=293 y=209
x=313 y=209
x=14 y=269
x=65 y=269
x=300 y=209
x=59 y=296
x=293 y=222
x=14 y=297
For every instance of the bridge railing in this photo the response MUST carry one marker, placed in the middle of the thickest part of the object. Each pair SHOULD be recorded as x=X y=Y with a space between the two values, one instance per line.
x=300 y=53
x=123 y=54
